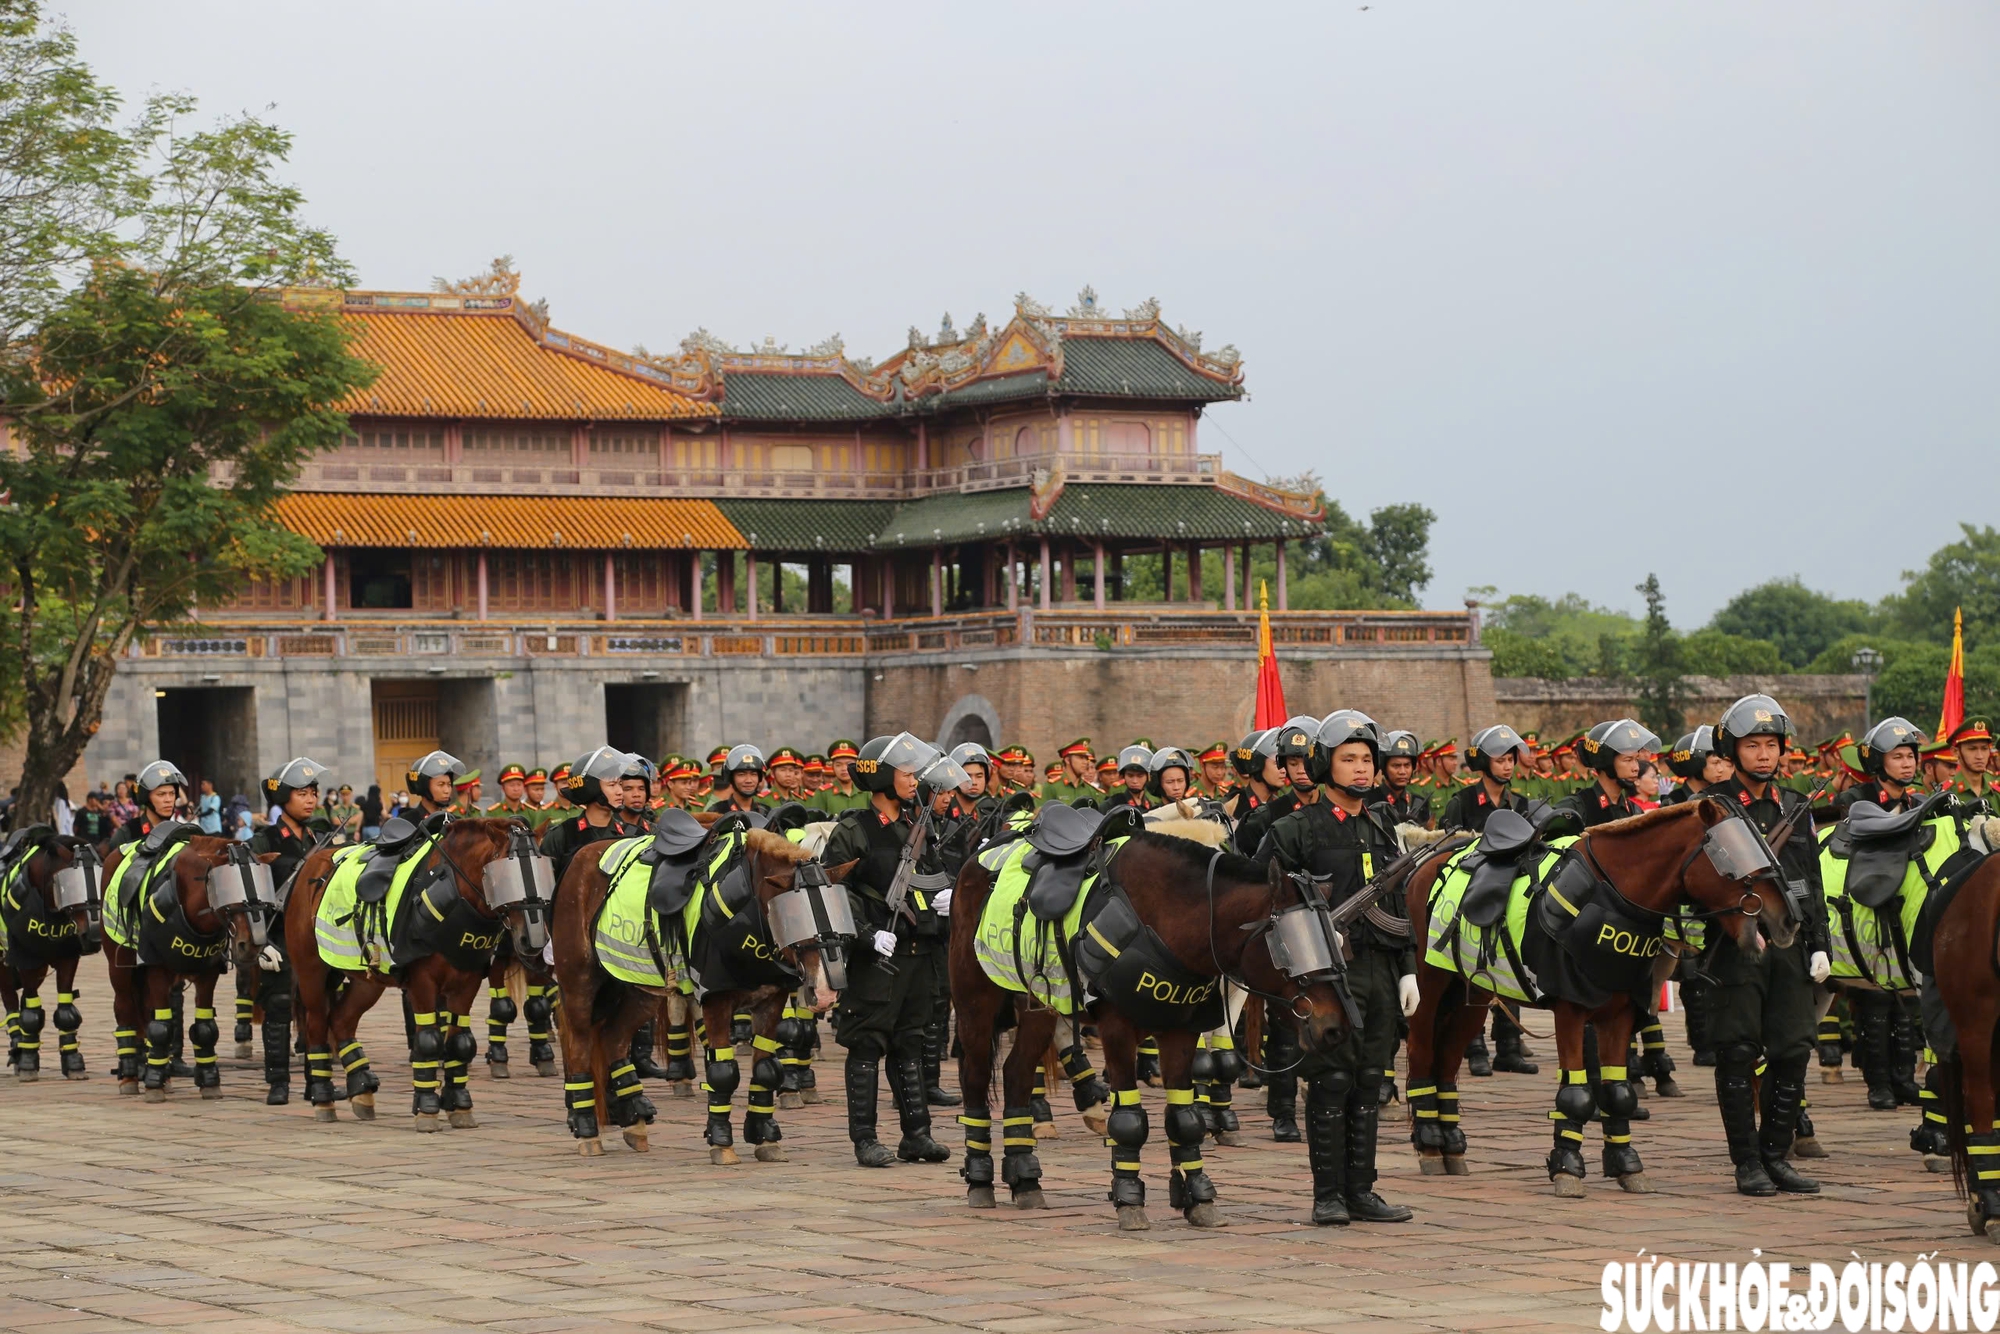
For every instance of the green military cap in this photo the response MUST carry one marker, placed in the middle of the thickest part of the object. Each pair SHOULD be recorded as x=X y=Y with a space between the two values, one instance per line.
x=1080 y=746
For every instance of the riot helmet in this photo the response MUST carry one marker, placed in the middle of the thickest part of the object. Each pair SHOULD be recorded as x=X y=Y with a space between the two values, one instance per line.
x=1298 y=739
x=942 y=774
x=1491 y=743
x=1401 y=746
x=1245 y=760
x=970 y=754
x=1689 y=757
x=295 y=774
x=1342 y=727
x=1886 y=736
x=1137 y=757
x=1753 y=715
x=1603 y=744
x=740 y=758
x=437 y=764
x=160 y=773
x=875 y=769
x=1163 y=759
x=587 y=777
x=1351 y=715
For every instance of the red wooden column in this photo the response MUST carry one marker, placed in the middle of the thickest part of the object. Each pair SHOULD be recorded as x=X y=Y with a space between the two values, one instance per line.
x=482 y=583
x=610 y=586
x=1097 y=575
x=327 y=612
x=1228 y=577
x=1194 y=572
x=1283 y=601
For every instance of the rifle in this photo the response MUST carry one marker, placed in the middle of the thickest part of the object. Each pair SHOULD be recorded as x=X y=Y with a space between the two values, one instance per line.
x=898 y=894
x=1383 y=883
x=1781 y=834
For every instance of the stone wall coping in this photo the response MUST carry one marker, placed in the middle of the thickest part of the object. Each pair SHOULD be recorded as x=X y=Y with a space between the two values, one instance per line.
x=1534 y=689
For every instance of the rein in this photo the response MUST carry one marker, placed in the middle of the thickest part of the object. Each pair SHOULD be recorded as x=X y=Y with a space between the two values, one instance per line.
x=1215 y=956
x=1747 y=906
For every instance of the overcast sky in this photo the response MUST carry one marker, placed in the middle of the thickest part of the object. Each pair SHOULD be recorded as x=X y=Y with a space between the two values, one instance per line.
x=1711 y=289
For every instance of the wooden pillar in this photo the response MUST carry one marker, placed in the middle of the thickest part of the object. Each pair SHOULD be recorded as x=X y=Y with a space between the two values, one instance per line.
x=725 y=583
x=778 y=586
x=1167 y=569
x=482 y=583
x=1043 y=602
x=1283 y=600
x=1013 y=583
x=1228 y=577
x=1096 y=573
x=750 y=584
x=1118 y=570
x=888 y=588
x=1249 y=586
x=1069 y=572
x=610 y=586
x=1194 y=572
x=937 y=580
x=693 y=603
x=329 y=598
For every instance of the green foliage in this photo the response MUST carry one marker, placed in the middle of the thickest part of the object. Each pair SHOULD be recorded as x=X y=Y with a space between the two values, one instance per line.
x=1712 y=652
x=1963 y=574
x=1662 y=689
x=1558 y=639
x=1911 y=680
x=1798 y=620
x=1384 y=564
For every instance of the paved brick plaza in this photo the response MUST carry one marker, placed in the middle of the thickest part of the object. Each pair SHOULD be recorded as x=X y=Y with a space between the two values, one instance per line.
x=230 y=1215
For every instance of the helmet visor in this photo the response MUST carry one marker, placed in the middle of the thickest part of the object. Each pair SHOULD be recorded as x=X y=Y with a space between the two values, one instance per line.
x=943 y=773
x=908 y=752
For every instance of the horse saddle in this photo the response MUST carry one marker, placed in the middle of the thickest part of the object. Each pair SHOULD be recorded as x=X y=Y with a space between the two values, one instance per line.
x=788 y=816
x=22 y=839
x=676 y=832
x=398 y=844
x=1061 y=842
x=672 y=883
x=1494 y=865
x=1878 y=845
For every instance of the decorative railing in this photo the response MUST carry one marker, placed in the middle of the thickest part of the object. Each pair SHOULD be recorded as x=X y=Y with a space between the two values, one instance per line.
x=1128 y=628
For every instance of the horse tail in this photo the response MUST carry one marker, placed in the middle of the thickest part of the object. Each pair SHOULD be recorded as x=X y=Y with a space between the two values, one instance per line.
x=1952 y=1076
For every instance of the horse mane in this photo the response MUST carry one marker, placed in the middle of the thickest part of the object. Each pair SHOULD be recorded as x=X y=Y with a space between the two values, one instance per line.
x=1633 y=824
x=1195 y=856
x=1206 y=832
x=775 y=847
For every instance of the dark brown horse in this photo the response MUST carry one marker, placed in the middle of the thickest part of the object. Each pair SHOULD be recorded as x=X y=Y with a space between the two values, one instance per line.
x=178 y=907
x=1649 y=864
x=1964 y=979
x=51 y=915
x=1208 y=907
x=600 y=1012
x=459 y=867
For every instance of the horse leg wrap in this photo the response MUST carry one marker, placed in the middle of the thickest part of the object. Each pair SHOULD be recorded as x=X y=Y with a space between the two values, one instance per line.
x=536 y=1010
x=459 y=1050
x=159 y=1045
x=977 y=1169
x=1574 y=1107
x=128 y=1053
x=807 y=1080
x=742 y=1027
x=792 y=1035
x=68 y=1021
x=1222 y=1091
x=1189 y=1184
x=1657 y=1062
x=246 y=1014
x=360 y=1079
x=723 y=1077
x=764 y=1069
x=1618 y=1100
x=13 y=1037
x=580 y=1097
x=202 y=1036
x=1426 y=1125
x=1038 y=1100
x=1929 y=1136
x=31 y=1022
x=629 y=1103
x=1201 y=1069
x=426 y=1056
x=760 y=1122
x=1126 y=1132
x=500 y=1012
x=319 y=1076
x=1448 y=1126
x=1020 y=1170
x=1088 y=1090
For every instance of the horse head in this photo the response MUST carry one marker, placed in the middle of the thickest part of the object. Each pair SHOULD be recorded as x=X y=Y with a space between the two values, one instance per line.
x=498 y=870
x=806 y=910
x=1711 y=853
x=224 y=886
x=1302 y=960
x=70 y=875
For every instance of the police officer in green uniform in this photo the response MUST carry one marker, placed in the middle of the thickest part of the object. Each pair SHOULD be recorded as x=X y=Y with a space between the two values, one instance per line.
x=596 y=792
x=891 y=980
x=1335 y=837
x=294 y=790
x=1972 y=741
x=841 y=794
x=742 y=776
x=1764 y=1003
x=1396 y=790
x=1075 y=784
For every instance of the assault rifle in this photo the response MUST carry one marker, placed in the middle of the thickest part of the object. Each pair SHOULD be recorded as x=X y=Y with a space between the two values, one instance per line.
x=897 y=896
x=1389 y=879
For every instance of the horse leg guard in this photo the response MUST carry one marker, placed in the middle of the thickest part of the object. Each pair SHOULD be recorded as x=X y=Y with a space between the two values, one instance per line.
x=459 y=1049
x=202 y=1036
x=628 y=1103
x=1929 y=1136
x=426 y=1059
x=1982 y=1208
x=1575 y=1106
x=723 y=1077
x=319 y=1080
x=1148 y=1063
x=31 y=1022
x=791 y=1036
x=977 y=1169
x=680 y=1055
x=1449 y=1129
x=641 y=1053
x=1201 y=1071
x=1426 y=1121
x=1222 y=1093
x=127 y=1040
x=535 y=1009
x=246 y=1017
x=500 y=1012
x=361 y=1078
x=1020 y=1169
x=13 y=1038
x=1188 y=1186
x=1086 y=1088
x=1126 y=1132
x=1038 y=1099
x=68 y=1021
x=580 y=1098
x=177 y=1067
x=1617 y=1099
x=1326 y=1145
x=1903 y=1044
x=1828 y=1048
x=159 y=1048
x=760 y=1121
x=1656 y=1062
x=808 y=1082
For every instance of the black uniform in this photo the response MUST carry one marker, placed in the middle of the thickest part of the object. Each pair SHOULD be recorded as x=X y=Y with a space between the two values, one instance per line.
x=1408 y=805
x=1257 y=822
x=1595 y=808
x=888 y=1003
x=1885 y=1025
x=565 y=838
x=1469 y=807
x=273 y=990
x=1873 y=791
x=1125 y=799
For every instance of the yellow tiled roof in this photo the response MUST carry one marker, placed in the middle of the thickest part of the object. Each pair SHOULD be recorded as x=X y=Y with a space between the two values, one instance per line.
x=486 y=364
x=536 y=522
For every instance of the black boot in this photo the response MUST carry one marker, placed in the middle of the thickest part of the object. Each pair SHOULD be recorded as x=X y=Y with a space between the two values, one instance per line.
x=935 y=1092
x=863 y=1080
x=277 y=1059
x=1363 y=1204
x=907 y=1083
x=1903 y=1043
x=1281 y=1081
x=1478 y=1061
x=641 y=1053
x=1507 y=1055
x=1784 y=1098
x=1871 y=1049
x=1326 y=1146
x=1736 y=1100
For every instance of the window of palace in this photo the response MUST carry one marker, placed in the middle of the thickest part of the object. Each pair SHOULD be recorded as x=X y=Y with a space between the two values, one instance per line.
x=378 y=579
x=624 y=444
x=397 y=439
x=532 y=581
x=791 y=458
x=515 y=440
x=702 y=453
x=1128 y=437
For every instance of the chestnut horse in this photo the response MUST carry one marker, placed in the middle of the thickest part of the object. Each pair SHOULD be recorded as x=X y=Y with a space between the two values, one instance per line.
x=161 y=924
x=1961 y=1008
x=1645 y=866
x=332 y=1000
x=1208 y=906
x=600 y=1013
x=51 y=915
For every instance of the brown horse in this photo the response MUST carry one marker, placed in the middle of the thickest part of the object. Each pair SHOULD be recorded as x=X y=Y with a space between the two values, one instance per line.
x=1207 y=906
x=1643 y=867
x=1963 y=981
x=454 y=879
x=178 y=905
x=51 y=915
x=600 y=1013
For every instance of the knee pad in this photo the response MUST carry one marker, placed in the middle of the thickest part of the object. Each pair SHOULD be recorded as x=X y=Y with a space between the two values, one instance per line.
x=1127 y=1127
x=501 y=1009
x=1203 y=1066
x=31 y=1020
x=1618 y=1099
x=723 y=1077
x=1575 y=1103
x=158 y=1031
x=1183 y=1125
x=1228 y=1065
x=429 y=1045
x=536 y=1010
x=766 y=1072
x=460 y=1046
x=203 y=1034
x=790 y=1032
x=1737 y=1056
x=67 y=1018
x=278 y=1009
x=1331 y=1084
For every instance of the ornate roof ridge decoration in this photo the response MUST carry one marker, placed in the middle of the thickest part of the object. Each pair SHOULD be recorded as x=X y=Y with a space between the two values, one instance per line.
x=1291 y=504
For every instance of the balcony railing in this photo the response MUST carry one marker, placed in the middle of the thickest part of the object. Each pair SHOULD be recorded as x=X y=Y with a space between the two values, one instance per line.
x=263 y=636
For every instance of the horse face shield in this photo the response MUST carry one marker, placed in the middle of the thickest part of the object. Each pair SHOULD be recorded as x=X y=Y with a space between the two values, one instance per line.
x=1307 y=950
x=1740 y=853
x=817 y=913
x=79 y=887
x=241 y=888
x=522 y=886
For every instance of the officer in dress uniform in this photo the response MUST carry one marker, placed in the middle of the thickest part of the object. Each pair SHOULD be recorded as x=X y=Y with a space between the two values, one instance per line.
x=1134 y=763
x=1399 y=769
x=1218 y=780
x=465 y=792
x=1076 y=782
x=1765 y=1003
x=536 y=793
x=513 y=803
x=742 y=776
x=891 y=980
x=294 y=790
x=841 y=794
x=1972 y=742
x=1335 y=837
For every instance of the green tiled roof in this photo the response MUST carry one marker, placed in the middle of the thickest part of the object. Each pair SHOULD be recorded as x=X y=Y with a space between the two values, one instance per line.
x=1034 y=384
x=765 y=397
x=957 y=517
x=1134 y=368
x=1179 y=513
x=807 y=525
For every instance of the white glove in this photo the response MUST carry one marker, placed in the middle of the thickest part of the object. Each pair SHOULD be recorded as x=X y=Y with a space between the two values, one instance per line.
x=549 y=953
x=271 y=959
x=1817 y=967
x=885 y=943
x=941 y=901
x=1407 y=994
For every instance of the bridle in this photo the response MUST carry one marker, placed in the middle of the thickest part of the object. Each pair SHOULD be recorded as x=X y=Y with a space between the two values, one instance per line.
x=1312 y=914
x=1710 y=846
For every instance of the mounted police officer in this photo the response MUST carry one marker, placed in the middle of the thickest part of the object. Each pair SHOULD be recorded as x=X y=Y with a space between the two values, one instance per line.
x=1297 y=739
x=892 y=979
x=1495 y=756
x=1170 y=775
x=1765 y=1002
x=1258 y=777
x=162 y=791
x=1333 y=836
x=1399 y=768
x=294 y=790
x=742 y=775
x=1694 y=761
x=1133 y=770
x=1611 y=752
x=596 y=791
x=1888 y=752
x=431 y=781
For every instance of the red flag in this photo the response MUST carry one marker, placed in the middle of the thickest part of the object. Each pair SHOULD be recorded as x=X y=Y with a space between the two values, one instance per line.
x=1954 y=682
x=1270 y=690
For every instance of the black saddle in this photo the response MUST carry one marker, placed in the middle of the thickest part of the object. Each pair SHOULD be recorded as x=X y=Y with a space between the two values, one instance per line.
x=1063 y=841
x=1061 y=831
x=399 y=842
x=788 y=816
x=676 y=832
x=673 y=880
x=1497 y=862
x=1878 y=845
x=396 y=834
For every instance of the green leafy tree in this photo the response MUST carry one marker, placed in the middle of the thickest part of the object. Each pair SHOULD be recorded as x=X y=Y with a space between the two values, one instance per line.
x=1963 y=574
x=1398 y=547
x=1711 y=652
x=1798 y=620
x=1662 y=687
x=160 y=402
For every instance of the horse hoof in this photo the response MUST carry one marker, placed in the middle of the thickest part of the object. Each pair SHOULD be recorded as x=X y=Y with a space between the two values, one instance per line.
x=495 y=1070
x=325 y=1113
x=1046 y=1130
x=1935 y=1164
x=210 y=1094
x=1454 y=1165
x=1229 y=1139
x=427 y=1123
x=636 y=1140
x=1031 y=1198
x=811 y=1096
x=27 y=1076
x=546 y=1069
x=363 y=1105
x=1206 y=1214
x=242 y=1051
x=1132 y=1218
x=76 y=1074
x=1095 y=1119
x=1829 y=1075
x=463 y=1120
x=772 y=1153
x=590 y=1148
x=156 y=1095
x=1633 y=1183
x=981 y=1197
x=1431 y=1164
x=790 y=1102
x=721 y=1155
x=1666 y=1087
x=1568 y=1187
x=680 y=1089
x=128 y=1088
x=1808 y=1147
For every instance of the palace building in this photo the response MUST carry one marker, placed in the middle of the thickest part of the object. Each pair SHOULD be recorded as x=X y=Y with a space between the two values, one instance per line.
x=535 y=543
